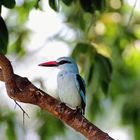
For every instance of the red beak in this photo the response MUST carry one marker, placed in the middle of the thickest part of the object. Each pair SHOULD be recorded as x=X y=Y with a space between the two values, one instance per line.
x=49 y=64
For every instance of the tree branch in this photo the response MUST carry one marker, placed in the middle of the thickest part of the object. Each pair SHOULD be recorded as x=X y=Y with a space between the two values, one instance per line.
x=22 y=90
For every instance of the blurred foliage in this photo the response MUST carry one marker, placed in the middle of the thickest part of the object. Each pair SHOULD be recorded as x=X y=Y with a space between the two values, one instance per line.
x=50 y=127
x=106 y=47
x=8 y=119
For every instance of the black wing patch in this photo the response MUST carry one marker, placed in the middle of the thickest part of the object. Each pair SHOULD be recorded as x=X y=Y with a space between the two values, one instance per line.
x=82 y=91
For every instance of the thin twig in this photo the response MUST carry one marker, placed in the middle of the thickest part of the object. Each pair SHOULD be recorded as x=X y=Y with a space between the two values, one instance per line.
x=132 y=12
x=24 y=112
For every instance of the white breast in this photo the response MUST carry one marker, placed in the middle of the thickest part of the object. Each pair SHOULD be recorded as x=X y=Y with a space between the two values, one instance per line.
x=68 y=90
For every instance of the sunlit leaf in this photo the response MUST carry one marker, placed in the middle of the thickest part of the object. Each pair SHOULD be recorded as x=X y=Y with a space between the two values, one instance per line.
x=3 y=36
x=24 y=10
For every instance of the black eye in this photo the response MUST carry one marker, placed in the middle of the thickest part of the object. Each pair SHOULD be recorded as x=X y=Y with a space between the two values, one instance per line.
x=63 y=62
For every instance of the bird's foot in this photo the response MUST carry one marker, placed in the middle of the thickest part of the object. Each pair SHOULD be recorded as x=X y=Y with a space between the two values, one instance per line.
x=78 y=111
x=62 y=104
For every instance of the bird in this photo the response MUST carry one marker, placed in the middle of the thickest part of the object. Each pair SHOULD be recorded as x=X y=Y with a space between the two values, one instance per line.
x=70 y=85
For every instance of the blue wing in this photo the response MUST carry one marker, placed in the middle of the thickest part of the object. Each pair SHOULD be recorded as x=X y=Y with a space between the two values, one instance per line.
x=82 y=90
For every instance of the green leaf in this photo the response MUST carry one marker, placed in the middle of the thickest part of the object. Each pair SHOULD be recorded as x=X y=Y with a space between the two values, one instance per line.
x=92 y=5
x=105 y=71
x=105 y=86
x=95 y=82
x=8 y=3
x=97 y=68
x=105 y=64
x=3 y=36
x=87 y=5
x=99 y=4
x=82 y=48
x=53 y=4
x=84 y=53
x=67 y=2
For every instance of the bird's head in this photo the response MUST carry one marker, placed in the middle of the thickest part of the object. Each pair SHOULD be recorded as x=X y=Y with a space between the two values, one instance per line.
x=62 y=63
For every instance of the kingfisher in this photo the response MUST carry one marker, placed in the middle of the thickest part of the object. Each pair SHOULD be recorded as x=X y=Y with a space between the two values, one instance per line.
x=70 y=85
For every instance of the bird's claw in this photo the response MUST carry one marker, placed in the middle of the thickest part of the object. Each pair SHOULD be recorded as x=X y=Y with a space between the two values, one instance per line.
x=78 y=111
x=62 y=104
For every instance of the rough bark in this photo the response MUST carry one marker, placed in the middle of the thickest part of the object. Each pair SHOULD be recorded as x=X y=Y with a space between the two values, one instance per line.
x=22 y=90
